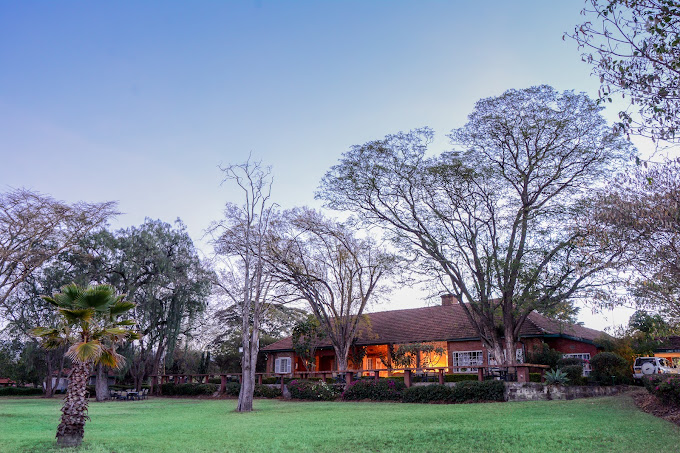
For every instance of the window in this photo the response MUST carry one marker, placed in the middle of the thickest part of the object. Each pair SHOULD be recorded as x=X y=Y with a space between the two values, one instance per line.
x=467 y=360
x=519 y=356
x=586 y=361
x=282 y=365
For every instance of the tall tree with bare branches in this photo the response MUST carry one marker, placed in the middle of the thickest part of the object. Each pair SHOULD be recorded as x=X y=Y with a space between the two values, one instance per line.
x=337 y=273
x=501 y=222
x=244 y=280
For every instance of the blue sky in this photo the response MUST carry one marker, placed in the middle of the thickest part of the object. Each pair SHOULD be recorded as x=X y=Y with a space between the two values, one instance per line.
x=140 y=101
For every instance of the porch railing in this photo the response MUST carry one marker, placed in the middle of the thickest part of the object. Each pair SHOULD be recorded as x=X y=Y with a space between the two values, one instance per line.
x=518 y=372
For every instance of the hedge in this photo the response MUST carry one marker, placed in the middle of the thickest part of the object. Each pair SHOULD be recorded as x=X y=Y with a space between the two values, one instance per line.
x=666 y=388
x=314 y=390
x=462 y=392
x=20 y=391
x=171 y=389
x=380 y=390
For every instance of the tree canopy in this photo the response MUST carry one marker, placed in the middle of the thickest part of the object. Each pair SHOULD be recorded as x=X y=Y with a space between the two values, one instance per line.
x=501 y=221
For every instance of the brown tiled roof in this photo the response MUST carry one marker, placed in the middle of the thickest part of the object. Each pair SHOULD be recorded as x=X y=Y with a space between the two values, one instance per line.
x=6 y=381
x=439 y=323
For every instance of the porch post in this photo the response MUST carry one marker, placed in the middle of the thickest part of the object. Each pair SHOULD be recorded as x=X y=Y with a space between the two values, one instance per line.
x=522 y=374
x=259 y=379
x=348 y=377
x=441 y=377
x=480 y=374
x=377 y=374
x=407 y=378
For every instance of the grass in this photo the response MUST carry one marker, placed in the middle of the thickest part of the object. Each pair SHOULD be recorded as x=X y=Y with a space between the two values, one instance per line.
x=191 y=425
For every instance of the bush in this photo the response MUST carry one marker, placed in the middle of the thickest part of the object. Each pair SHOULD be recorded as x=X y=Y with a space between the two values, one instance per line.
x=435 y=393
x=232 y=389
x=666 y=388
x=609 y=368
x=544 y=356
x=574 y=373
x=478 y=391
x=380 y=390
x=534 y=377
x=313 y=390
x=20 y=391
x=459 y=377
x=172 y=389
x=556 y=377
x=264 y=391
x=277 y=380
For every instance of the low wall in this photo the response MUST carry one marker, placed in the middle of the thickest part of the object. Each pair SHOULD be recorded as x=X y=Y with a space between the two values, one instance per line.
x=531 y=391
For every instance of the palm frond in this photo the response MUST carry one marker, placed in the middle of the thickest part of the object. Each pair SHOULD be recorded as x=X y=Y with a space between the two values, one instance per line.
x=85 y=351
x=111 y=359
x=126 y=322
x=77 y=314
x=121 y=307
x=99 y=297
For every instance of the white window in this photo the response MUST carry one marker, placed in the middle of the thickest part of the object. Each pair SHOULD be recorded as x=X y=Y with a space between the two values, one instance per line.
x=466 y=360
x=586 y=361
x=519 y=356
x=282 y=365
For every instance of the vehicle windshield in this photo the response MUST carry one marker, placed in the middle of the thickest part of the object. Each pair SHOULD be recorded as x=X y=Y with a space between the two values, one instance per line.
x=640 y=360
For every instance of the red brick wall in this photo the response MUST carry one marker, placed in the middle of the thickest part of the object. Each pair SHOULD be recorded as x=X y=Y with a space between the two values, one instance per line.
x=567 y=346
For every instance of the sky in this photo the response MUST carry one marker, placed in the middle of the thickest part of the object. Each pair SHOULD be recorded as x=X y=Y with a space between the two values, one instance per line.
x=139 y=102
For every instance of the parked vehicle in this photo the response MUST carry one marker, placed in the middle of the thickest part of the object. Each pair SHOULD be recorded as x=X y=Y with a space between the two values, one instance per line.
x=649 y=366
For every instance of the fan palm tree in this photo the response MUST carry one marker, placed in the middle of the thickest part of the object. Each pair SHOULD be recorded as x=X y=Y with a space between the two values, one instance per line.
x=91 y=324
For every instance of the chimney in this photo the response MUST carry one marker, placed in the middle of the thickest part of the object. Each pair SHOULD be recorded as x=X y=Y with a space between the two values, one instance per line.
x=449 y=299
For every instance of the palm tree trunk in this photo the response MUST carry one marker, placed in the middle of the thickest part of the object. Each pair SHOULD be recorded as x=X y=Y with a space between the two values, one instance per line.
x=74 y=411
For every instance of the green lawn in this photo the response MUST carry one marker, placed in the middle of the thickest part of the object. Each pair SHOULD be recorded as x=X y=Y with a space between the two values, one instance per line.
x=188 y=425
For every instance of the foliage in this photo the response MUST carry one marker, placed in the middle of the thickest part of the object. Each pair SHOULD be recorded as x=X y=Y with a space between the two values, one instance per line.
x=544 y=355
x=555 y=377
x=34 y=228
x=405 y=356
x=20 y=391
x=192 y=389
x=324 y=263
x=380 y=390
x=633 y=48
x=313 y=390
x=666 y=388
x=574 y=374
x=459 y=377
x=476 y=219
x=534 y=377
x=232 y=389
x=467 y=391
x=607 y=366
x=307 y=336
x=266 y=391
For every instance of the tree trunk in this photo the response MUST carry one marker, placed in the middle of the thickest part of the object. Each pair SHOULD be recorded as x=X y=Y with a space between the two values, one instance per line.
x=74 y=411
x=245 y=395
x=49 y=388
x=102 y=383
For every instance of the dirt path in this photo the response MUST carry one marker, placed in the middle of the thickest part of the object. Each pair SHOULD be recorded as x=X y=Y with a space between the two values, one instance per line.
x=652 y=405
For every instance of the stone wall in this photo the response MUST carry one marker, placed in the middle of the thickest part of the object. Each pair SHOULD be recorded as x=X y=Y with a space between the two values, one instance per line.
x=531 y=391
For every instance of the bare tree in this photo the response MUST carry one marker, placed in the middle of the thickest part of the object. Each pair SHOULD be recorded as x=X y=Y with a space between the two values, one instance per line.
x=322 y=262
x=239 y=240
x=502 y=223
x=35 y=228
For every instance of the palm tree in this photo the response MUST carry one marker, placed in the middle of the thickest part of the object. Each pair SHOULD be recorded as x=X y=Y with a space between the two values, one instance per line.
x=90 y=323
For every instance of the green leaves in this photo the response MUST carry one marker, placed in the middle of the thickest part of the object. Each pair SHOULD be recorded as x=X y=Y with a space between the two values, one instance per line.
x=87 y=351
x=74 y=315
x=121 y=307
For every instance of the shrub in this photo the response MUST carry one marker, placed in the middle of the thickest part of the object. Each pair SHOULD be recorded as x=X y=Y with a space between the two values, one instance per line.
x=380 y=390
x=20 y=391
x=435 y=393
x=544 y=356
x=313 y=390
x=556 y=377
x=215 y=381
x=232 y=389
x=264 y=391
x=276 y=380
x=171 y=389
x=574 y=373
x=609 y=368
x=666 y=388
x=534 y=377
x=478 y=391
x=459 y=377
